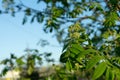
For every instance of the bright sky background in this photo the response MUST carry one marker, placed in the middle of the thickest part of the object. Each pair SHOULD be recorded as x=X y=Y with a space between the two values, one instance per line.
x=15 y=37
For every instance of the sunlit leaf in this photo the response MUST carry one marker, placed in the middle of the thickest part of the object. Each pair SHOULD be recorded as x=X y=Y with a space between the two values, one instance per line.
x=30 y=70
x=109 y=74
x=78 y=47
x=20 y=61
x=68 y=65
x=93 y=62
x=100 y=69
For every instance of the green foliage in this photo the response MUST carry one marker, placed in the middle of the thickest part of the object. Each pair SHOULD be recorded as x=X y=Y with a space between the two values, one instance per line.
x=111 y=19
x=93 y=62
x=91 y=38
x=99 y=70
x=109 y=74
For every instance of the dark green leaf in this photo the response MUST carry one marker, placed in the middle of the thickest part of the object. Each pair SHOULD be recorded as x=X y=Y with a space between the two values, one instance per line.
x=48 y=54
x=24 y=20
x=64 y=56
x=111 y=75
x=51 y=29
x=66 y=44
x=13 y=56
x=32 y=20
x=4 y=61
x=4 y=71
x=28 y=11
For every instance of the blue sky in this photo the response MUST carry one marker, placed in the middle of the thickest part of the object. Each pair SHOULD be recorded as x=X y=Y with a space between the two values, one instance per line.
x=15 y=37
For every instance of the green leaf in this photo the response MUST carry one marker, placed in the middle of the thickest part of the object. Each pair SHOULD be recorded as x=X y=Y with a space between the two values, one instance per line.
x=118 y=75
x=72 y=55
x=4 y=71
x=51 y=29
x=20 y=61
x=5 y=61
x=24 y=20
x=28 y=11
x=112 y=75
x=67 y=43
x=38 y=58
x=32 y=19
x=109 y=74
x=68 y=65
x=30 y=70
x=90 y=51
x=99 y=70
x=48 y=54
x=64 y=56
x=73 y=50
x=93 y=62
x=106 y=35
x=13 y=56
x=78 y=47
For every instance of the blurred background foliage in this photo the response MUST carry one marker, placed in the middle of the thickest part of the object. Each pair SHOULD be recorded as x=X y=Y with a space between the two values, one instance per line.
x=88 y=30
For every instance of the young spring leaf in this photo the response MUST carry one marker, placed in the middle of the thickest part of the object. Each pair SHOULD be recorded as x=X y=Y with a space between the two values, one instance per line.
x=93 y=62
x=68 y=65
x=109 y=74
x=100 y=69
x=30 y=70
x=78 y=47
x=20 y=61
